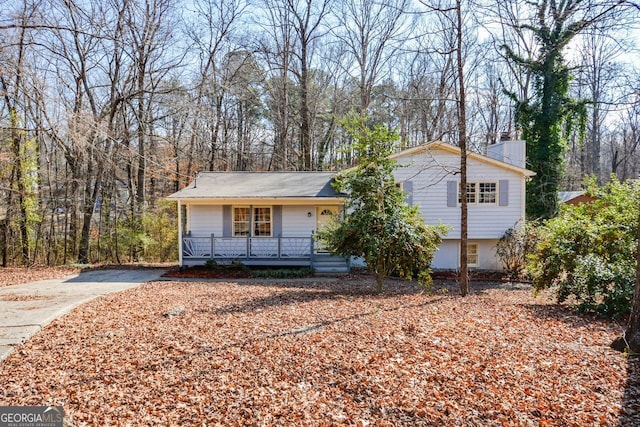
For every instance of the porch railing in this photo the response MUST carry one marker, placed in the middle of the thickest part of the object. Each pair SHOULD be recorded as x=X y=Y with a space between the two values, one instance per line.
x=247 y=247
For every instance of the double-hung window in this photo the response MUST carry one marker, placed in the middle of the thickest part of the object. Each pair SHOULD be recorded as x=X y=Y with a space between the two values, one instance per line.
x=262 y=222
x=471 y=193
x=472 y=254
x=480 y=193
x=241 y=221
x=255 y=222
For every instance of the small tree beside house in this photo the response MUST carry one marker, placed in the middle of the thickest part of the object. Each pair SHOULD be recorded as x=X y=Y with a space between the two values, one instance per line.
x=379 y=226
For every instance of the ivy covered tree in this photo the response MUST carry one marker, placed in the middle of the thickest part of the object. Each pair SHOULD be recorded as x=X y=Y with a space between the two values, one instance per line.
x=379 y=225
x=551 y=114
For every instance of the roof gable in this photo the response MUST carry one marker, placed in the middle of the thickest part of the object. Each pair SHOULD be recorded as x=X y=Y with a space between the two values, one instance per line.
x=452 y=149
x=262 y=185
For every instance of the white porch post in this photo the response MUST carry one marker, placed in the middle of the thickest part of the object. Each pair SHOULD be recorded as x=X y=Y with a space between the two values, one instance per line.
x=180 y=231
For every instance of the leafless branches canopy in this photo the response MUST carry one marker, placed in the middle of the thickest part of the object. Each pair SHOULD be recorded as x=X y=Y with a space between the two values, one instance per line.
x=108 y=106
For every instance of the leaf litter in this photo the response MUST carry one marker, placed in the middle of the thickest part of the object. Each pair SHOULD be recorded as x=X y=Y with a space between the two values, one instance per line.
x=325 y=353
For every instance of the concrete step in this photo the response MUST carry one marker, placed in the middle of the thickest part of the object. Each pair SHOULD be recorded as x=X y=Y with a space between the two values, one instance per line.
x=327 y=264
x=321 y=271
x=328 y=258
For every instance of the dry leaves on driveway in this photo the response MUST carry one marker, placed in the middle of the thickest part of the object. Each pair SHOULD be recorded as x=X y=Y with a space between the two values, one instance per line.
x=17 y=275
x=324 y=354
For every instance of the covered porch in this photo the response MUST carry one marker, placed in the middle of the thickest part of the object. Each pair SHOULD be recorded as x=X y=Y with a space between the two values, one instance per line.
x=257 y=218
x=249 y=250
x=261 y=251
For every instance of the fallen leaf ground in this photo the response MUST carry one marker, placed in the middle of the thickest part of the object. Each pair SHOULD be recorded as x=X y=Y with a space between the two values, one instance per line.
x=321 y=353
x=16 y=275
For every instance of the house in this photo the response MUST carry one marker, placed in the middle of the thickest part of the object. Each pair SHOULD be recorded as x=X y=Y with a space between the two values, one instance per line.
x=270 y=218
x=495 y=196
x=259 y=218
x=575 y=197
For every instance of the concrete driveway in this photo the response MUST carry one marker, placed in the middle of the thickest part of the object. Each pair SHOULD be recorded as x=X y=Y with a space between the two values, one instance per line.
x=27 y=308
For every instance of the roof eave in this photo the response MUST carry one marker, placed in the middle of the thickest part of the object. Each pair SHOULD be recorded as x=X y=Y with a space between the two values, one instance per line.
x=284 y=200
x=456 y=150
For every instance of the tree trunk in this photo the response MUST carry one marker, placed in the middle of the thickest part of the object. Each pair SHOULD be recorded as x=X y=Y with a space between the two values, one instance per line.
x=379 y=281
x=87 y=214
x=462 y=135
x=305 y=131
x=631 y=338
x=16 y=148
x=5 y=224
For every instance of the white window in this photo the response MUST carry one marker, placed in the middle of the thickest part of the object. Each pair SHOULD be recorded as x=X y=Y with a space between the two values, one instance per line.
x=481 y=193
x=472 y=254
x=254 y=222
x=471 y=193
x=262 y=222
x=241 y=221
x=487 y=192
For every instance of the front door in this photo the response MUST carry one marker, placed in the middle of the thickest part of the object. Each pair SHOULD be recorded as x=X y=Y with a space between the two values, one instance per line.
x=323 y=216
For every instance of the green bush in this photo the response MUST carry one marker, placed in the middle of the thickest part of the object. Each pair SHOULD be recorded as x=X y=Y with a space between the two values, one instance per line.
x=282 y=273
x=379 y=226
x=160 y=240
x=588 y=251
x=603 y=286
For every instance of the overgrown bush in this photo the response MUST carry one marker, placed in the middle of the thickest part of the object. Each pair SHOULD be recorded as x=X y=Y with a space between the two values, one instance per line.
x=588 y=250
x=513 y=247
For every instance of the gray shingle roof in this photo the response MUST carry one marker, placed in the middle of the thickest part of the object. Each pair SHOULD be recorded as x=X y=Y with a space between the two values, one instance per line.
x=217 y=185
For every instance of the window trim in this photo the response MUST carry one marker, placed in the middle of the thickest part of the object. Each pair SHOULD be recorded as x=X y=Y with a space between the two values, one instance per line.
x=476 y=193
x=496 y=187
x=234 y=222
x=475 y=253
x=252 y=220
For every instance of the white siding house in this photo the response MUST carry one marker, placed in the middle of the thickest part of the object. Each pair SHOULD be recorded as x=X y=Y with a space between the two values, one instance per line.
x=269 y=218
x=430 y=177
x=258 y=218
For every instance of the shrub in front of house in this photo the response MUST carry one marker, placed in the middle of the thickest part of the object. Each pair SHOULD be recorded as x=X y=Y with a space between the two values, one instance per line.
x=587 y=252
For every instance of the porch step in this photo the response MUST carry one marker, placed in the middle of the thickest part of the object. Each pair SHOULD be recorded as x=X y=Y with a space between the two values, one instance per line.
x=328 y=264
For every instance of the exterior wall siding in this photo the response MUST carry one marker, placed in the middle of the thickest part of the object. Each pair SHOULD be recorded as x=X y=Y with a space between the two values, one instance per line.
x=296 y=222
x=207 y=219
x=430 y=172
x=204 y=220
x=447 y=257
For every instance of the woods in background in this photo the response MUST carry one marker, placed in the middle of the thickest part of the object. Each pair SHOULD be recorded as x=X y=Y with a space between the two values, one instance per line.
x=107 y=107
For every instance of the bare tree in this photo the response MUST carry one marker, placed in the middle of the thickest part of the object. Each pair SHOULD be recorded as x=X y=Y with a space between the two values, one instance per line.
x=453 y=15
x=276 y=46
x=212 y=29
x=597 y=80
x=624 y=146
x=371 y=31
x=15 y=90
x=308 y=16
